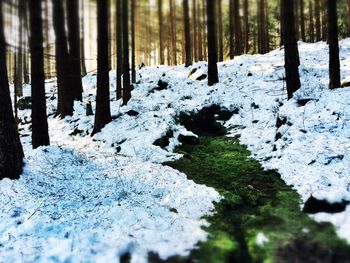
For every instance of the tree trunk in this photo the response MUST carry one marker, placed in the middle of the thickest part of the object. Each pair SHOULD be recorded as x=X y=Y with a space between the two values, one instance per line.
x=74 y=48
x=212 y=48
x=103 y=113
x=199 y=32
x=82 y=41
x=173 y=30
x=188 y=55
x=40 y=133
x=318 y=20
x=348 y=18
x=119 y=49
x=63 y=65
x=11 y=152
x=231 y=29
x=220 y=31
x=161 y=38
x=246 y=26
x=19 y=60
x=302 y=20
x=237 y=28
x=311 y=23
x=133 y=66
x=194 y=25
x=334 y=64
x=290 y=48
x=126 y=64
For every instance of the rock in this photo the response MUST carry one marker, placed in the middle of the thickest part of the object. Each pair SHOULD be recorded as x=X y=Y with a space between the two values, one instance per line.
x=314 y=206
x=202 y=77
x=24 y=103
x=188 y=139
x=132 y=113
x=164 y=140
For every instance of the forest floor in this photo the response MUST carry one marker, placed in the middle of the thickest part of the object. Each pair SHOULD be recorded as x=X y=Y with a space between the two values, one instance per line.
x=87 y=199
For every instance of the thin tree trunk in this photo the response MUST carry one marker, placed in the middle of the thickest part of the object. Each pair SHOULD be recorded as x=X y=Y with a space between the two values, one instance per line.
x=173 y=30
x=119 y=49
x=204 y=30
x=133 y=66
x=246 y=26
x=212 y=48
x=290 y=48
x=103 y=112
x=237 y=28
x=199 y=32
x=231 y=29
x=40 y=133
x=126 y=64
x=220 y=31
x=302 y=20
x=334 y=64
x=187 y=32
x=311 y=23
x=11 y=157
x=82 y=40
x=194 y=25
x=318 y=20
x=161 y=38
x=348 y=17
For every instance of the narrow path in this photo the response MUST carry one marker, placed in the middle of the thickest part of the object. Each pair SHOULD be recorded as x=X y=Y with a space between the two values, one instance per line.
x=260 y=218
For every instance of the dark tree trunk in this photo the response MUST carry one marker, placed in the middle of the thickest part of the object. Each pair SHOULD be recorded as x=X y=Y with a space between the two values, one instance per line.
x=220 y=31
x=19 y=61
x=311 y=23
x=126 y=64
x=63 y=65
x=40 y=133
x=318 y=20
x=290 y=48
x=334 y=64
x=194 y=25
x=82 y=41
x=347 y=17
x=302 y=20
x=103 y=112
x=11 y=152
x=246 y=26
x=324 y=19
x=26 y=76
x=281 y=22
x=188 y=55
x=119 y=49
x=212 y=48
x=231 y=29
x=237 y=28
x=199 y=32
x=160 y=28
x=173 y=30
x=74 y=48
x=133 y=66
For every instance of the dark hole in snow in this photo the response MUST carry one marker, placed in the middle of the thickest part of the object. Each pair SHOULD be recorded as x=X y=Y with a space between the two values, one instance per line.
x=188 y=139
x=255 y=121
x=162 y=85
x=303 y=102
x=314 y=206
x=250 y=74
x=24 y=103
x=333 y=158
x=125 y=258
x=76 y=131
x=202 y=77
x=205 y=121
x=132 y=113
x=278 y=136
x=164 y=140
x=280 y=122
x=115 y=117
x=255 y=106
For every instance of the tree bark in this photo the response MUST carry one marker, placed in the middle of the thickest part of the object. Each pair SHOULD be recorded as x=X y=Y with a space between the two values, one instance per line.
x=126 y=64
x=133 y=66
x=173 y=31
x=334 y=64
x=290 y=48
x=246 y=26
x=103 y=112
x=82 y=41
x=161 y=38
x=212 y=48
x=74 y=48
x=63 y=65
x=311 y=23
x=119 y=49
x=302 y=20
x=318 y=20
x=40 y=133
x=220 y=31
x=188 y=55
x=11 y=152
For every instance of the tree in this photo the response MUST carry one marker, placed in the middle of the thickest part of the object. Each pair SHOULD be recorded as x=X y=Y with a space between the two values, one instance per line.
x=334 y=64
x=82 y=40
x=212 y=48
x=188 y=55
x=40 y=130
x=11 y=152
x=173 y=31
x=63 y=65
x=291 y=54
x=119 y=49
x=160 y=28
x=74 y=48
x=133 y=63
x=220 y=31
x=103 y=112
x=302 y=20
x=126 y=64
x=318 y=20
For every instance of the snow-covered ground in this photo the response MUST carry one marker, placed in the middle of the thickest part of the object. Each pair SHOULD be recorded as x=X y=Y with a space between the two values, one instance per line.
x=94 y=198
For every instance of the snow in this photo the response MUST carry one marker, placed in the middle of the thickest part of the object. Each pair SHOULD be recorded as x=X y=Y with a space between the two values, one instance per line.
x=261 y=239
x=99 y=197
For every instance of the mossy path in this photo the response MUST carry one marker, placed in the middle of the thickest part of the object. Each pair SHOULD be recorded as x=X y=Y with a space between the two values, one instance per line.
x=259 y=220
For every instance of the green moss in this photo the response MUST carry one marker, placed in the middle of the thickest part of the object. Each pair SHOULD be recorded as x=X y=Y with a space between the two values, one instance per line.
x=256 y=201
